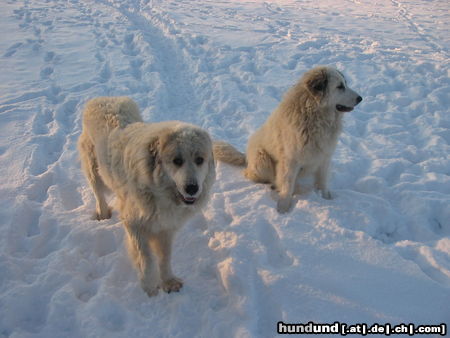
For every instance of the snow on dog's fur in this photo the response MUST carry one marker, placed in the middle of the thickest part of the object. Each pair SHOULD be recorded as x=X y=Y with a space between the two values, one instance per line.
x=161 y=174
x=299 y=137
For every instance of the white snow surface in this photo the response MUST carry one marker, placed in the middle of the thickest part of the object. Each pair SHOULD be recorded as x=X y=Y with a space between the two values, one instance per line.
x=377 y=253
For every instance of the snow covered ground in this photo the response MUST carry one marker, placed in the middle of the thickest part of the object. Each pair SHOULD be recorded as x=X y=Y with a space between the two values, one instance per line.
x=378 y=253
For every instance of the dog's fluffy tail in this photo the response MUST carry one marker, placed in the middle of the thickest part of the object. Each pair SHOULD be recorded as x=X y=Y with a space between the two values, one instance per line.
x=225 y=152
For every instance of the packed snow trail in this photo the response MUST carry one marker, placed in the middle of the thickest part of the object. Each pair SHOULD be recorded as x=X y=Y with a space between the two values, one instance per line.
x=379 y=252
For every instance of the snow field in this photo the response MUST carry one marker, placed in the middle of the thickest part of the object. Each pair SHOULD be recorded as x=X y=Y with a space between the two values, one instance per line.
x=378 y=252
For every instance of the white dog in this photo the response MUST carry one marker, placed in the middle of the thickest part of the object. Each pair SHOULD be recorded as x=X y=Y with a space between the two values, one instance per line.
x=299 y=137
x=161 y=174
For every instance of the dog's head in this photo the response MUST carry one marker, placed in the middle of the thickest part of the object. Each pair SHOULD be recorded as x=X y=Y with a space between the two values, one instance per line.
x=183 y=163
x=330 y=88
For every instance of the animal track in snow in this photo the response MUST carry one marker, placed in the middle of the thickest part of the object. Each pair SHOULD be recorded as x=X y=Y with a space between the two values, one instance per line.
x=13 y=49
x=84 y=290
x=225 y=67
x=38 y=190
x=41 y=122
x=405 y=15
x=46 y=152
x=433 y=263
x=70 y=197
x=46 y=72
x=129 y=47
x=276 y=255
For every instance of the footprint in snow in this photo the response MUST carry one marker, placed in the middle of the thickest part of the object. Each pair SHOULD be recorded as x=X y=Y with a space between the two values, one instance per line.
x=24 y=225
x=13 y=49
x=129 y=46
x=41 y=121
x=49 y=56
x=136 y=65
x=47 y=151
x=38 y=190
x=84 y=290
x=69 y=196
x=276 y=255
x=46 y=71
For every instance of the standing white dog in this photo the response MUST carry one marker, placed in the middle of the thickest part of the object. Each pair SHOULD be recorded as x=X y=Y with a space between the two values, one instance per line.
x=161 y=174
x=299 y=137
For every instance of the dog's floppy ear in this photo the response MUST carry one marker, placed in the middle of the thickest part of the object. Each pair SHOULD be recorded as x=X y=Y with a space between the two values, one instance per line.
x=211 y=170
x=153 y=150
x=210 y=176
x=317 y=82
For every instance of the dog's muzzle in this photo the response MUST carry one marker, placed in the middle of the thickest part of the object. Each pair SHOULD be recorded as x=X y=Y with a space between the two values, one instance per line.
x=344 y=109
x=191 y=190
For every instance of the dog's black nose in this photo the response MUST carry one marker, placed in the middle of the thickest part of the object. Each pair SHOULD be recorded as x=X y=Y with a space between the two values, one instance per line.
x=358 y=99
x=191 y=189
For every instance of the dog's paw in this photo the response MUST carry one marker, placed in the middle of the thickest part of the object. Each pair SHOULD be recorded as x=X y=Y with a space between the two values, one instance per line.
x=106 y=214
x=150 y=283
x=150 y=289
x=151 y=292
x=284 y=205
x=173 y=284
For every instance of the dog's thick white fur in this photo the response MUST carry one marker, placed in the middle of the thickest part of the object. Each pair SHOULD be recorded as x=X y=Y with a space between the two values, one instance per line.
x=299 y=137
x=161 y=174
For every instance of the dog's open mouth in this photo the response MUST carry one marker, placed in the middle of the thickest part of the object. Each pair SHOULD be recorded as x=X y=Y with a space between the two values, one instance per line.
x=343 y=109
x=187 y=200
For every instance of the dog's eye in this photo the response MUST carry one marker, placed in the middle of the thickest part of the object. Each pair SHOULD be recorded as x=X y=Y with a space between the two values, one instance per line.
x=341 y=86
x=199 y=160
x=178 y=161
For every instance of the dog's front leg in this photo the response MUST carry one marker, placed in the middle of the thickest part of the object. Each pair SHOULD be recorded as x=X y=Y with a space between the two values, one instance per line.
x=142 y=257
x=287 y=172
x=321 y=179
x=162 y=245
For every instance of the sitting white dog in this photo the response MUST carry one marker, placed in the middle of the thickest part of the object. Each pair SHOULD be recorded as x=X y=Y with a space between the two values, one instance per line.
x=299 y=137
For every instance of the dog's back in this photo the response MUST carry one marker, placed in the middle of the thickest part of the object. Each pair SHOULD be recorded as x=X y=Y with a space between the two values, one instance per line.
x=103 y=114
x=100 y=116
